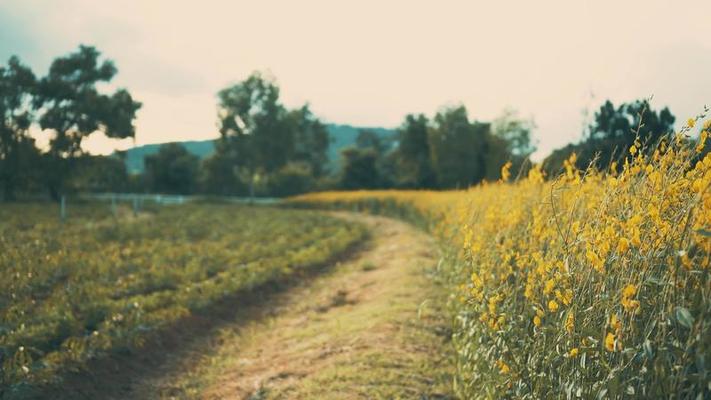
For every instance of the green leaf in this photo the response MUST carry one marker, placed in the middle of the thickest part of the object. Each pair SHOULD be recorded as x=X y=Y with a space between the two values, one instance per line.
x=684 y=317
x=704 y=232
x=648 y=351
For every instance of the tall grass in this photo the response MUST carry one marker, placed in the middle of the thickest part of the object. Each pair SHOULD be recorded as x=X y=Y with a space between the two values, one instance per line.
x=592 y=284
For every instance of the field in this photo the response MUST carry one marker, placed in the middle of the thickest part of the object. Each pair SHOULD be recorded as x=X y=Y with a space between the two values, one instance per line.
x=98 y=283
x=590 y=284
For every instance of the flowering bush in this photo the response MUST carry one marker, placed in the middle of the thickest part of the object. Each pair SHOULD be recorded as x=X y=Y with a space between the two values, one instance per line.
x=591 y=284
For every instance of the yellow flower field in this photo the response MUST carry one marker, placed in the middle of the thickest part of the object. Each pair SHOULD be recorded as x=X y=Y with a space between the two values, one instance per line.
x=582 y=285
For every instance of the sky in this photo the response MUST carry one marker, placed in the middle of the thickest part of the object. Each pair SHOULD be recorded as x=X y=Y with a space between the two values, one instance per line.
x=369 y=63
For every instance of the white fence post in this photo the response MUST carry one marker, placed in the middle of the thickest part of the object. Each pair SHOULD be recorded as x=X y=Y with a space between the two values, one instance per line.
x=63 y=208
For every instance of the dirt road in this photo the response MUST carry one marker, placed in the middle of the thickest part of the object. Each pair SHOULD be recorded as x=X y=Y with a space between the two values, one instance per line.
x=372 y=326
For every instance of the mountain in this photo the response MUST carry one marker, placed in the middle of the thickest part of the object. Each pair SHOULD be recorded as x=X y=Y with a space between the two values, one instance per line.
x=341 y=136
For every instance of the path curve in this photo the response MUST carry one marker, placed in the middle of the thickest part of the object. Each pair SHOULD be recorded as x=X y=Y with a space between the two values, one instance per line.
x=363 y=331
x=373 y=326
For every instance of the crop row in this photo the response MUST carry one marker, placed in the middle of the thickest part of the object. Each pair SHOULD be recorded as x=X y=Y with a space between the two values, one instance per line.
x=76 y=290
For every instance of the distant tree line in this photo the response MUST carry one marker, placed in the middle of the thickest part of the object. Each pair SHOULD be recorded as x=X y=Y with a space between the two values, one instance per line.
x=448 y=151
x=266 y=149
x=611 y=132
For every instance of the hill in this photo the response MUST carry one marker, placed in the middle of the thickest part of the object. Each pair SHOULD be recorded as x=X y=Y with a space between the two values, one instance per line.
x=341 y=136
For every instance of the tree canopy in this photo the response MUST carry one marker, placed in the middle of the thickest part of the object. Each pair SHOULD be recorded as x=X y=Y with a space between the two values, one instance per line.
x=612 y=131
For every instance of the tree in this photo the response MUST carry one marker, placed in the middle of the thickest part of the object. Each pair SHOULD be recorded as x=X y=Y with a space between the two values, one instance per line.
x=18 y=154
x=412 y=157
x=72 y=107
x=510 y=141
x=100 y=174
x=360 y=169
x=612 y=131
x=515 y=132
x=253 y=126
x=172 y=170
x=368 y=139
x=292 y=179
x=458 y=147
x=311 y=140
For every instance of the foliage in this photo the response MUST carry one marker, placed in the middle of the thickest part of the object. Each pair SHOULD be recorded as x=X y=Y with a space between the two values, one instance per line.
x=593 y=284
x=311 y=140
x=414 y=167
x=457 y=148
x=294 y=178
x=75 y=291
x=71 y=106
x=259 y=136
x=172 y=170
x=99 y=174
x=610 y=133
x=17 y=148
x=360 y=168
x=219 y=176
x=66 y=102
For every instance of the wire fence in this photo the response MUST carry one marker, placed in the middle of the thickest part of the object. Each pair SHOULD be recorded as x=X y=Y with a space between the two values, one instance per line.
x=137 y=201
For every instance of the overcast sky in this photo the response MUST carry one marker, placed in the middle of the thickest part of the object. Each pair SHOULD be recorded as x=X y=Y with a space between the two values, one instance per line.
x=368 y=63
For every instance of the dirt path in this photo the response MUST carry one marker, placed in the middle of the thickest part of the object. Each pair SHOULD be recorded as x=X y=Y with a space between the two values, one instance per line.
x=370 y=327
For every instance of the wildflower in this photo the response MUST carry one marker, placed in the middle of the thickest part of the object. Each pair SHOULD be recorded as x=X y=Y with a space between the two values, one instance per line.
x=598 y=263
x=623 y=245
x=691 y=122
x=553 y=306
x=633 y=149
x=566 y=297
x=537 y=321
x=627 y=301
x=505 y=172
x=570 y=323
x=548 y=287
x=503 y=367
x=573 y=352
x=702 y=141
x=610 y=342
x=615 y=323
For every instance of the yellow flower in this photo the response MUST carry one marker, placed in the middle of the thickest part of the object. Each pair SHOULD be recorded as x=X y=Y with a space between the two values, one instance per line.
x=553 y=306
x=627 y=300
x=505 y=172
x=615 y=323
x=566 y=297
x=573 y=352
x=610 y=342
x=633 y=149
x=570 y=322
x=503 y=367
x=537 y=321
x=623 y=245
x=548 y=288
x=691 y=122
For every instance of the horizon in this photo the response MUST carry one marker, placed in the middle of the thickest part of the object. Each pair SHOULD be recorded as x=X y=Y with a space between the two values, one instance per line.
x=368 y=65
